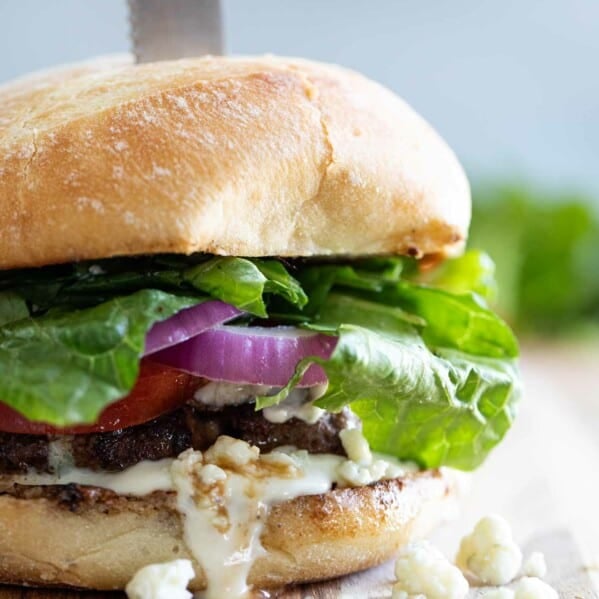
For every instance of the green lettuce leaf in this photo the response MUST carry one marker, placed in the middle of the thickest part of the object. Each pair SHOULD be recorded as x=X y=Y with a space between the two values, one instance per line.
x=241 y=282
x=12 y=307
x=234 y=280
x=462 y=322
x=430 y=371
x=70 y=344
x=435 y=409
x=64 y=368
x=434 y=404
x=371 y=274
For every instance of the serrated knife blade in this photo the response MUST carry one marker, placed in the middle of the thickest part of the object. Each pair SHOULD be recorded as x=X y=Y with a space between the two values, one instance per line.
x=170 y=29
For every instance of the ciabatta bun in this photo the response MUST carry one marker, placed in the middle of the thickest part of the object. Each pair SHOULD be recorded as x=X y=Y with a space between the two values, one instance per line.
x=107 y=538
x=234 y=156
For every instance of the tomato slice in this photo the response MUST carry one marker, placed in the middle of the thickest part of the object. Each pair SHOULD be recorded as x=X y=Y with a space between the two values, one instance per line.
x=159 y=389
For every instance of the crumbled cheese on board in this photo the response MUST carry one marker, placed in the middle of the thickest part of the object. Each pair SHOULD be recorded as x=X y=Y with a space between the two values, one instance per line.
x=162 y=581
x=489 y=552
x=535 y=565
x=422 y=569
x=533 y=588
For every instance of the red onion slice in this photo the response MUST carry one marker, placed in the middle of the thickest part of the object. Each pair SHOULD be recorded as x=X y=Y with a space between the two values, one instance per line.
x=251 y=355
x=187 y=324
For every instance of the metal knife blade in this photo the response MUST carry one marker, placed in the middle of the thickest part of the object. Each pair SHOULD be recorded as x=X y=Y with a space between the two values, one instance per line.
x=170 y=29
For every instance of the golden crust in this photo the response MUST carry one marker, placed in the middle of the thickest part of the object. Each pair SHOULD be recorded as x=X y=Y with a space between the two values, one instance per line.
x=233 y=156
x=309 y=538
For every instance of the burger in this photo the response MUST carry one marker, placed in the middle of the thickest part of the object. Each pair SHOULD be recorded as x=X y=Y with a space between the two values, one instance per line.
x=235 y=326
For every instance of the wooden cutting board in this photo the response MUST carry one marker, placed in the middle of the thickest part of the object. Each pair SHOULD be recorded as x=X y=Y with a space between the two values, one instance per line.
x=543 y=479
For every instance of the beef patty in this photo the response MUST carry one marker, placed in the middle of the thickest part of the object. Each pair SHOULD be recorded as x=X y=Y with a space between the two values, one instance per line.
x=167 y=436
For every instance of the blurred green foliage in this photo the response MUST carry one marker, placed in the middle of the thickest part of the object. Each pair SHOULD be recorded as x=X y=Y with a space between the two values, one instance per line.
x=546 y=250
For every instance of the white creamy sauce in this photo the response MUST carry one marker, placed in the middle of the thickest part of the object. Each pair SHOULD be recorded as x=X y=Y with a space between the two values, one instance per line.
x=224 y=496
x=228 y=513
x=229 y=394
x=224 y=493
x=356 y=446
x=141 y=479
x=298 y=403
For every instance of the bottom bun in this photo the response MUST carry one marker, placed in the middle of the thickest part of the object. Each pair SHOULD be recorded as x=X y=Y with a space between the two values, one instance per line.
x=90 y=538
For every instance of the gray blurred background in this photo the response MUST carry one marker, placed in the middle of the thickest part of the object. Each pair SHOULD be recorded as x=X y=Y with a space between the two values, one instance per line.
x=512 y=85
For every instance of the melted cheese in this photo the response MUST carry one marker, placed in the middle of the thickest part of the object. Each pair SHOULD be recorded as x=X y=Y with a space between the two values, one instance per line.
x=298 y=404
x=220 y=394
x=224 y=495
x=141 y=479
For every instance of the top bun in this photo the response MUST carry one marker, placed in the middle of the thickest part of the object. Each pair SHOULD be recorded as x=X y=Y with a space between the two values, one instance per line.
x=234 y=156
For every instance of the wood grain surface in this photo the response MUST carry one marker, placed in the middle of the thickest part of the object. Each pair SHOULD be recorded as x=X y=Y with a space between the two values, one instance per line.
x=543 y=479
